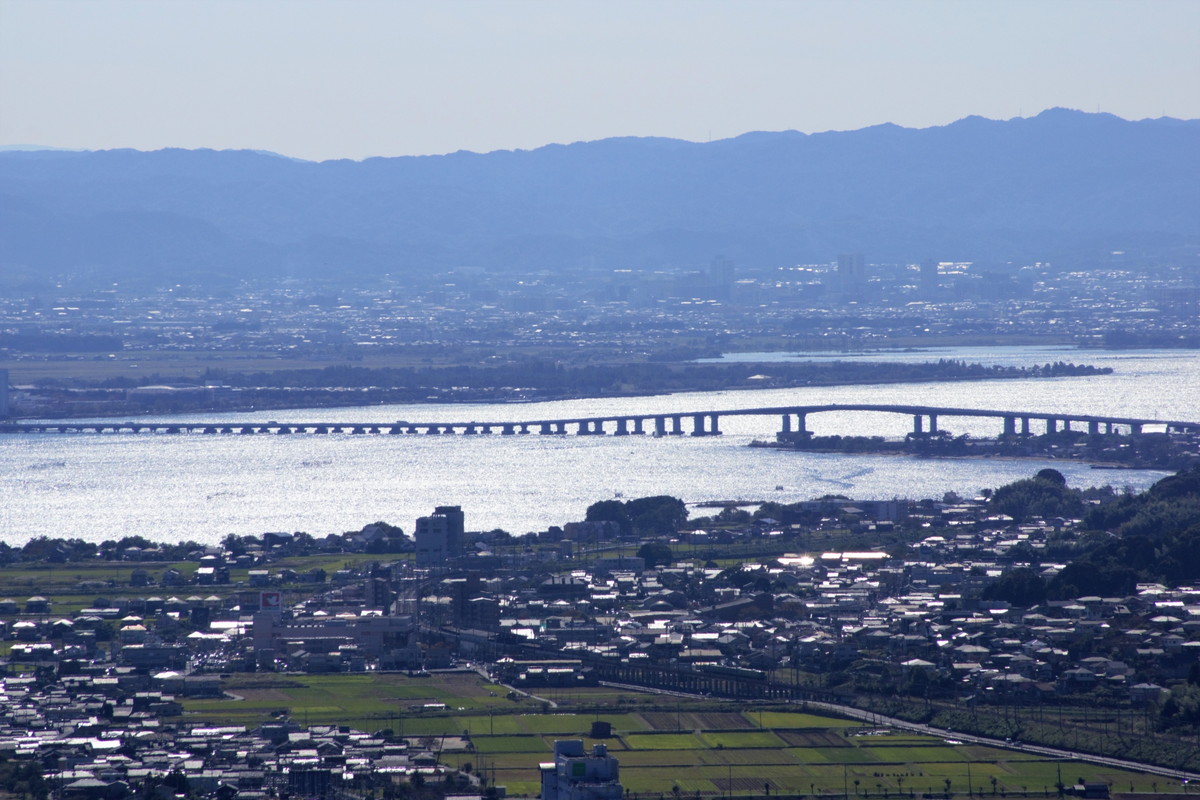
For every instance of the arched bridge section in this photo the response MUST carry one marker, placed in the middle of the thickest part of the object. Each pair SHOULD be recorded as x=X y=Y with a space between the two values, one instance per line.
x=794 y=421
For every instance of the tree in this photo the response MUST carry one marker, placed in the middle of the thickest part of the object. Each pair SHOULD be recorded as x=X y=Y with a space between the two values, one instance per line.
x=235 y=545
x=1044 y=495
x=1051 y=475
x=660 y=515
x=655 y=554
x=41 y=548
x=1022 y=587
x=610 y=511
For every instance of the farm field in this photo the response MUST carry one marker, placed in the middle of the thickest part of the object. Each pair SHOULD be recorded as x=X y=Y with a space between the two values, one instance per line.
x=666 y=746
x=76 y=585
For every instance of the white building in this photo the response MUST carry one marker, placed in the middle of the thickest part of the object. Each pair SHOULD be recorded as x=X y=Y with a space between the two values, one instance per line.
x=439 y=536
x=575 y=775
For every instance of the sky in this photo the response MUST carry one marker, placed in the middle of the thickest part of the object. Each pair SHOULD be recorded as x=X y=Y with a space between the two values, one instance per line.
x=324 y=79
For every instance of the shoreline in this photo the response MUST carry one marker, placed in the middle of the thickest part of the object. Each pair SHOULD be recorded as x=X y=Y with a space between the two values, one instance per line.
x=310 y=401
x=900 y=451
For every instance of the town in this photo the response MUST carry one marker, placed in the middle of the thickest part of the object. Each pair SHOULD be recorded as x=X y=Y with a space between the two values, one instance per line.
x=993 y=615
x=685 y=400
x=469 y=335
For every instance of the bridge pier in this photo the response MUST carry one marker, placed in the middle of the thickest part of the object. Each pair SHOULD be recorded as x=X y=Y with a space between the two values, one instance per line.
x=1051 y=425
x=660 y=426
x=1010 y=426
x=677 y=425
x=622 y=427
x=918 y=424
x=933 y=428
x=1093 y=427
x=1135 y=429
x=714 y=425
x=432 y=430
x=801 y=424
x=545 y=429
x=470 y=429
x=637 y=426
x=507 y=430
x=560 y=428
x=698 y=425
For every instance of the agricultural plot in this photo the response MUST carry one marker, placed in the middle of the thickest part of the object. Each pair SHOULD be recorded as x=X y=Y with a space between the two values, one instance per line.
x=721 y=740
x=813 y=739
x=712 y=763
x=663 y=741
x=689 y=746
x=792 y=720
x=717 y=721
x=75 y=585
x=411 y=706
x=512 y=744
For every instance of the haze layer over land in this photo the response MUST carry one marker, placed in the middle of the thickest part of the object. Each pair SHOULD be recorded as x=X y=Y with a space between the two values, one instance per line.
x=1062 y=185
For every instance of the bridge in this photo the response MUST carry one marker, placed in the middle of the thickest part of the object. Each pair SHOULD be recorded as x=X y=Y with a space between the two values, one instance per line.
x=794 y=420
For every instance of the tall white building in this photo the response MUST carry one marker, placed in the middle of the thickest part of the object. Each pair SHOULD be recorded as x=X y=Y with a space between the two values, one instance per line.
x=439 y=536
x=575 y=775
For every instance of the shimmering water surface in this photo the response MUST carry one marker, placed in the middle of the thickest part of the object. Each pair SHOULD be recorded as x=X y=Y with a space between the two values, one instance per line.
x=101 y=486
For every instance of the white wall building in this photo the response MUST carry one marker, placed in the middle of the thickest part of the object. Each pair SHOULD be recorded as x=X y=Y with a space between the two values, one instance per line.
x=575 y=775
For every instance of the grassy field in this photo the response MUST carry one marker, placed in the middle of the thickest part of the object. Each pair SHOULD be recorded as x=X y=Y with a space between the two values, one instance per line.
x=678 y=748
x=61 y=582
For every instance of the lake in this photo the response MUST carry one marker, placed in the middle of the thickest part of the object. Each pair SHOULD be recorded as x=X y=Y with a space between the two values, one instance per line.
x=167 y=488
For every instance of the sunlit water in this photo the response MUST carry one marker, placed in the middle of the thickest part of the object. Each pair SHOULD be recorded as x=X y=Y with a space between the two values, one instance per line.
x=167 y=488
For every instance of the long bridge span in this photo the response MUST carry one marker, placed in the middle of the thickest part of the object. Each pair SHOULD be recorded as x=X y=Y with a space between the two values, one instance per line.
x=794 y=420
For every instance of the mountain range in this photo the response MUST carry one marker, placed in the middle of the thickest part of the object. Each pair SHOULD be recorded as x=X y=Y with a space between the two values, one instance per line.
x=1062 y=185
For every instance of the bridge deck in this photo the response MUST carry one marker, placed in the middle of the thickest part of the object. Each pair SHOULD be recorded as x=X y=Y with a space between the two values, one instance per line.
x=585 y=425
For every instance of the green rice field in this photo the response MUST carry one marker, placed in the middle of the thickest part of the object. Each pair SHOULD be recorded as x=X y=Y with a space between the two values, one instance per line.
x=665 y=746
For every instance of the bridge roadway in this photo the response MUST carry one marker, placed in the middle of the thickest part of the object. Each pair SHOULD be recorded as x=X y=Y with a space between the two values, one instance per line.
x=793 y=422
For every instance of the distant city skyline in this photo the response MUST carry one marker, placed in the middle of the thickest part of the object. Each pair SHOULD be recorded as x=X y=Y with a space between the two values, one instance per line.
x=316 y=80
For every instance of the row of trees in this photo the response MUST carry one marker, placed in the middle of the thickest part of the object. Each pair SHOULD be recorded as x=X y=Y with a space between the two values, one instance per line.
x=555 y=376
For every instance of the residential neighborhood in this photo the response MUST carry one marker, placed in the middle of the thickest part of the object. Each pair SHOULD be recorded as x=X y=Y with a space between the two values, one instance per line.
x=748 y=608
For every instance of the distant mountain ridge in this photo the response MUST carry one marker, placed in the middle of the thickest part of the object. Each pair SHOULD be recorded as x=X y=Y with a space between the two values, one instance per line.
x=1063 y=182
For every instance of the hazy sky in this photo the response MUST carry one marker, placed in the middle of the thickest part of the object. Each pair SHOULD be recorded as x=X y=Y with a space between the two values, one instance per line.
x=322 y=79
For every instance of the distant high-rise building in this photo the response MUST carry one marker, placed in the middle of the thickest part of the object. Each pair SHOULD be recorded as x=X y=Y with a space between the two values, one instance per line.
x=851 y=272
x=575 y=775
x=929 y=276
x=720 y=278
x=439 y=536
x=3 y=394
